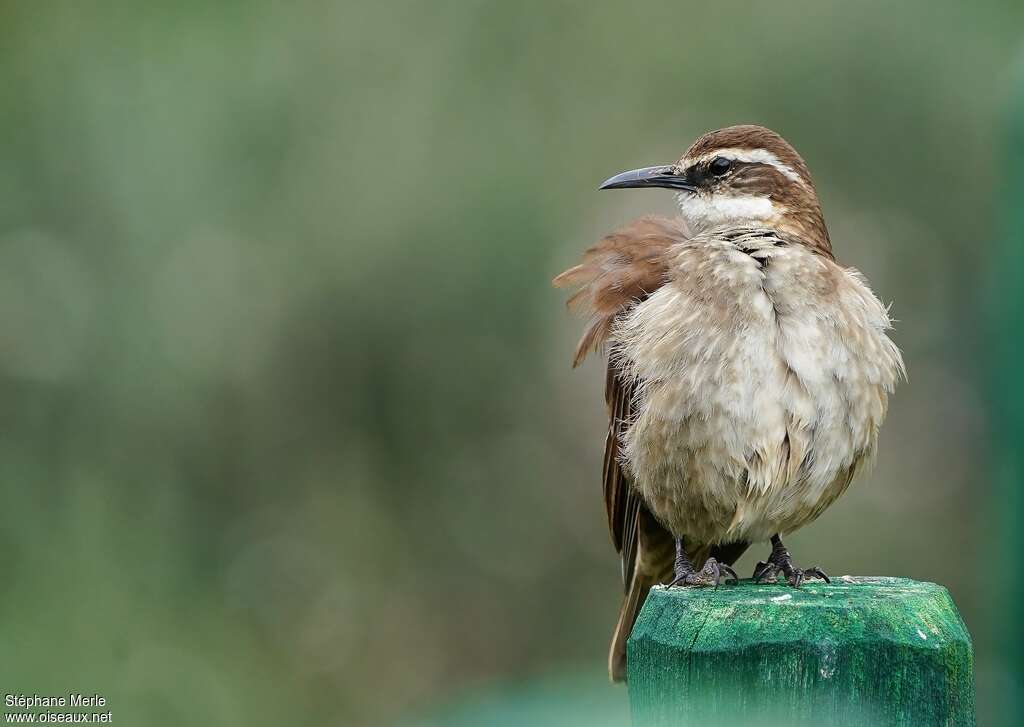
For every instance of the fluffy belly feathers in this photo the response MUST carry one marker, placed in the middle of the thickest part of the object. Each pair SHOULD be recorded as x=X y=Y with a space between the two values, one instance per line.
x=765 y=371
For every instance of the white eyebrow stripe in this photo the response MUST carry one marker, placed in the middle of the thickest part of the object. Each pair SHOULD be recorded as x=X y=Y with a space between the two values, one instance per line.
x=757 y=156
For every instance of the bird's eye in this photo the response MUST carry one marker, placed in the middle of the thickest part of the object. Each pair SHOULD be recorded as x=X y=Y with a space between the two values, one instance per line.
x=719 y=166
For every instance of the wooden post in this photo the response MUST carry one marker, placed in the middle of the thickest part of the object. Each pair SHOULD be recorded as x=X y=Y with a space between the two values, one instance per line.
x=861 y=651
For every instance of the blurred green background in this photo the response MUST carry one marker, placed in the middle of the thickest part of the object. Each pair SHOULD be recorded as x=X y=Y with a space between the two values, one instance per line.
x=289 y=432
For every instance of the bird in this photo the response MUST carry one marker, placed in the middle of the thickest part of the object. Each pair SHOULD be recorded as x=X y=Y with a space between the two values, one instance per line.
x=748 y=372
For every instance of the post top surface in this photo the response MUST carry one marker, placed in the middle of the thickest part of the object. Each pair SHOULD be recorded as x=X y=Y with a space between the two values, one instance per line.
x=846 y=590
x=919 y=614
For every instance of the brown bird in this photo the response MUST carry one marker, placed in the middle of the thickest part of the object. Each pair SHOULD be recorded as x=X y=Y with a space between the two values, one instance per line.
x=748 y=372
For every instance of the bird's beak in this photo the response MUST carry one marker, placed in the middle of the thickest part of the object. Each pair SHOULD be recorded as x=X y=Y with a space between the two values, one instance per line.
x=664 y=176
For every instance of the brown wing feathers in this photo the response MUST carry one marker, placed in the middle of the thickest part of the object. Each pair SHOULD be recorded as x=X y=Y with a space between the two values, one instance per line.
x=623 y=268
x=620 y=270
x=620 y=500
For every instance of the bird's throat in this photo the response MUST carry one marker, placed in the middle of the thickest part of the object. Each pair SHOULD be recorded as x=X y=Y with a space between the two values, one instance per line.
x=703 y=212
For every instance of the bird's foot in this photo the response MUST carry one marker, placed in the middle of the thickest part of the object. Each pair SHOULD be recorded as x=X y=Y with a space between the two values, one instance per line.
x=770 y=572
x=712 y=574
x=780 y=563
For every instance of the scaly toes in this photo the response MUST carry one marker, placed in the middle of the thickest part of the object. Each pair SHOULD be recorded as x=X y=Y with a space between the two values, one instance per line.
x=728 y=573
x=711 y=574
x=816 y=572
x=798 y=575
x=766 y=572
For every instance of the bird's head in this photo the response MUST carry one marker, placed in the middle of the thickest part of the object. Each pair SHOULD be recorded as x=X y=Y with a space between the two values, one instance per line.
x=740 y=176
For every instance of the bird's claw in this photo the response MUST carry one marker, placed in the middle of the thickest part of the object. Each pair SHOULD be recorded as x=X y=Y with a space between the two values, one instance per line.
x=712 y=574
x=769 y=572
x=812 y=572
x=766 y=572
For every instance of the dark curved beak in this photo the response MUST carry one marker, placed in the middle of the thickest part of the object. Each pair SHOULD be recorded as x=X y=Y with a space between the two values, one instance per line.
x=664 y=176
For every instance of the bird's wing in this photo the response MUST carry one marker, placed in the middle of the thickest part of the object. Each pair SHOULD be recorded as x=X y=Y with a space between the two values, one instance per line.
x=615 y=274
x=621 y=270
x=641 y=541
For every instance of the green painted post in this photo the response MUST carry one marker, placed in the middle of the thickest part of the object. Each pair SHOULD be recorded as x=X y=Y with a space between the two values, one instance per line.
x=858 y=651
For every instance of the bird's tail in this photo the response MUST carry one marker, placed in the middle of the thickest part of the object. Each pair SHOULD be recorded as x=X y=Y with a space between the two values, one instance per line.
x=633 y=601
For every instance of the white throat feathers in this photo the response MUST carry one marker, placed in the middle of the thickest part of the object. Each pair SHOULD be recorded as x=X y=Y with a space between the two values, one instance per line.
x=703 y=211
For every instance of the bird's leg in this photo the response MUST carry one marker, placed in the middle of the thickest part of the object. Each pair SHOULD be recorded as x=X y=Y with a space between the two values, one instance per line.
x=685 y=574
x=781 y=562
